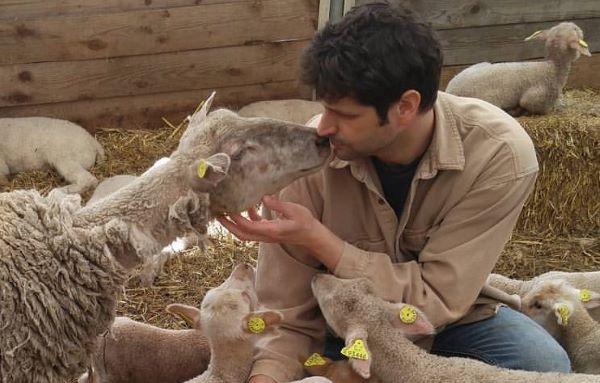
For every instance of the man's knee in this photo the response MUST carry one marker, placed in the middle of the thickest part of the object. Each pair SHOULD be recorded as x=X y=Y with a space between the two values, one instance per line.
x=550 y=357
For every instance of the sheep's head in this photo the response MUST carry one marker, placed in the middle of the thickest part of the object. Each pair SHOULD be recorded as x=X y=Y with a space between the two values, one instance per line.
x=552 y=302
x=564 y=41
x=349 y=305
x=256 y=156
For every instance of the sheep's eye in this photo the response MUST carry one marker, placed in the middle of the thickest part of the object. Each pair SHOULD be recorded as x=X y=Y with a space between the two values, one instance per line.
x=238 y=154
x=537 y=305
x=233 y=306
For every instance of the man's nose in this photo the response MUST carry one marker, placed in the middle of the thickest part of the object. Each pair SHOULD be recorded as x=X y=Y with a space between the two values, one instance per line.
x=327 y=126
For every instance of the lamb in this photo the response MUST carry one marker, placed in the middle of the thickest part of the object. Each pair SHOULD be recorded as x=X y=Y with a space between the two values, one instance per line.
x=561 y=309
x=376 y=339
x=298 y=111
x=232 y=324
x=31 y=143
x=135 y=352
x=525 y=87
x=589 y=280
x=63 y=265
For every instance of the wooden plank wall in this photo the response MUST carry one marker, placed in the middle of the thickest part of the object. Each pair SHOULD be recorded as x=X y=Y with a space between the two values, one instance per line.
x=473 y=31
x=126 y=63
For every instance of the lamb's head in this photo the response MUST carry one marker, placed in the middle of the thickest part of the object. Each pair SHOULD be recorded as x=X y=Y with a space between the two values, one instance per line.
x=564 y=42
x=552 y=302
x=258 y=156
x=230 y=310
x=350 y=305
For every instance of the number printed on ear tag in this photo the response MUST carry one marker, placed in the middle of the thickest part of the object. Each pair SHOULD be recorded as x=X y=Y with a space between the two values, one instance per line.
x=356 y=350
x=315 y=360
x=256 y=325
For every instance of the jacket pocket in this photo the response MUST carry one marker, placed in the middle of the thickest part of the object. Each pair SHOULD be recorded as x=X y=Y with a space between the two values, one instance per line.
x=414 y=240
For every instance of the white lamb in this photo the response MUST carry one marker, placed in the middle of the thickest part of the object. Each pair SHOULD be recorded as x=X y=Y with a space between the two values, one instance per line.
x=519 y=87
x=561 y=309
x=375 y=332
x=32 y=143
x=293 y=110
x=62 y=266
x=589 y=280
x=135 y=352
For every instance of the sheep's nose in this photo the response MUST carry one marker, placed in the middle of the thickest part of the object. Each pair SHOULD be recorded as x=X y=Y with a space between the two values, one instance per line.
x=322 y=141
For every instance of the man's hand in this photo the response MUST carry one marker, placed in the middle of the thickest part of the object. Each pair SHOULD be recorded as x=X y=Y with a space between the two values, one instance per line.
x=261 y=379
x=295 y=225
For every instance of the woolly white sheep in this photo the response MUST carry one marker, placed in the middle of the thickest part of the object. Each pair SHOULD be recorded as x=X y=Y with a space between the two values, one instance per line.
x=561 y=309
x=519 y=87
x=582 y=280
x=293 y=110
x=135 y=352
x=375 y=332
x=62 y=266
x=31 y=143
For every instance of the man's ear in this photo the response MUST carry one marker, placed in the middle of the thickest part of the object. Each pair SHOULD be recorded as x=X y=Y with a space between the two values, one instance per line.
x=190 y=314
x=589 y=299
x=563 y=311
x=403 y=111
x=259 y=322
x=410 y=320
x=206 y=173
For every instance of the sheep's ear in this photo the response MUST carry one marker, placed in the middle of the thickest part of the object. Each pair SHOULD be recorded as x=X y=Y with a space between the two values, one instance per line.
x=259 y=322
x=206 y=173
x=357 y=350
x=582 y=47
x=538 y=35
x=200 y=115
x=410 y=320
x=563 y=311
x=589 y=299
x=190 y=314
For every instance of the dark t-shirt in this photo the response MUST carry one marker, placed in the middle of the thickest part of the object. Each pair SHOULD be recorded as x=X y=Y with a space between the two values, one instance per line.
x=395 y=181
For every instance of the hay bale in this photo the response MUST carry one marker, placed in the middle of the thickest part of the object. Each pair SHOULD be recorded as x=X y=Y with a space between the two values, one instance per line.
x=565 y=200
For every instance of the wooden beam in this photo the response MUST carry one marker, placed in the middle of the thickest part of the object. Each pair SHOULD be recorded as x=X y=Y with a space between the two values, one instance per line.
x=450 y=14
x=584 y=73
x=34 y=9
x=146 y=111
x=504 y=42
x=40 y=83
x=84 y=37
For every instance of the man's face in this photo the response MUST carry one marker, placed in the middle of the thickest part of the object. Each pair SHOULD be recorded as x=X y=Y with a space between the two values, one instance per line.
x=354 y=129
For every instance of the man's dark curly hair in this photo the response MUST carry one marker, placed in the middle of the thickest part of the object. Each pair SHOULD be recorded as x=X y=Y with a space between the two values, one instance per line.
x=374 y=54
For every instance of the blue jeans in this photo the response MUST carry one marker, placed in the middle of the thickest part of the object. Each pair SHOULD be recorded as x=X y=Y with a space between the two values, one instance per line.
x=509 y=339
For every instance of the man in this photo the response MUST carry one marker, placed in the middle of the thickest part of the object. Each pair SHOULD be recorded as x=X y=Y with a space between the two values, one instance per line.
x=421 y=197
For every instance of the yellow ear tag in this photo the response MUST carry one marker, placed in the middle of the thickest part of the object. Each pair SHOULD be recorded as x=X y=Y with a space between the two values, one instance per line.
x=583 y=43
x=585 y=295
x=408 y=314
x=563 y=311
x=315 y=360
x=256 y=325
x=356 y=350
x=202 y=167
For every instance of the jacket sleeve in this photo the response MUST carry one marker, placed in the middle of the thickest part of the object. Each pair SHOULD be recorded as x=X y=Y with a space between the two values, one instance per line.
x=464 y=247
x=283 y=278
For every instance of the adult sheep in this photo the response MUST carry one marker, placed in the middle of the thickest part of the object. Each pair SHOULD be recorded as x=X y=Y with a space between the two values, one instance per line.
x=62 y=266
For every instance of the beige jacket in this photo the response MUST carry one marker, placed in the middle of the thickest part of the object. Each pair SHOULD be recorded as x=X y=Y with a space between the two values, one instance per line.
x=464 y=201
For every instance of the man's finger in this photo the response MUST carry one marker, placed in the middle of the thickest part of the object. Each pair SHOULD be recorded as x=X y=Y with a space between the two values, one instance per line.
x=254 y=216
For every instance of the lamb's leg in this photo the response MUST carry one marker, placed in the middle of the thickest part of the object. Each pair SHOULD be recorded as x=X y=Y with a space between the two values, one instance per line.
x=537 y=100
x=80 y=179
x=4 y=172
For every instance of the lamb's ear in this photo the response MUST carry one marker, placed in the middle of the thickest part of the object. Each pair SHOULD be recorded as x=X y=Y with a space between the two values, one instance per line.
x=589 y=299
x=582 y=47
x=410 y=320
x=206 y=173
x=563 y=311
x=259 y=322
x=538 y=35
x=190 y=314
x=357 y=350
